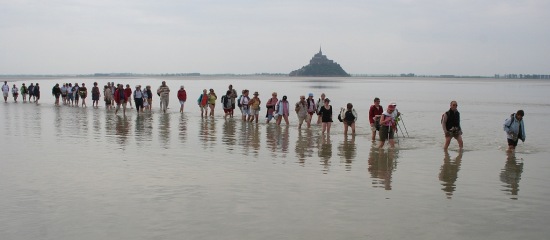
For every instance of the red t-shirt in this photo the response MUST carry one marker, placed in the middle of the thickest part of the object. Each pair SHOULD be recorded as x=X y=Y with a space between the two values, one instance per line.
x=373 y=111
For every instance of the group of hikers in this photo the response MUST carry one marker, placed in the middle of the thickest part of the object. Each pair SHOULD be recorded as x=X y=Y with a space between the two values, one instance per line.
x=383 y=122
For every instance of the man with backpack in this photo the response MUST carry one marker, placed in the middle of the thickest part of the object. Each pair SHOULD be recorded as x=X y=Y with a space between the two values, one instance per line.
x=515 y=129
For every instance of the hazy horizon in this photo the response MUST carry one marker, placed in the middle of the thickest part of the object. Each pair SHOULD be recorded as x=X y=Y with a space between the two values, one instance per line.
x=474 y=38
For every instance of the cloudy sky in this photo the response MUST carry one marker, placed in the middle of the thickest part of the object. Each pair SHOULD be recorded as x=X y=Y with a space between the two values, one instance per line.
x=466 y=37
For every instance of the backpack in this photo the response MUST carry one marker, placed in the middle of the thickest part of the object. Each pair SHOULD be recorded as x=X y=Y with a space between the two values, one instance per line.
x=377 y=123
x=239 y=104
x=511 y=119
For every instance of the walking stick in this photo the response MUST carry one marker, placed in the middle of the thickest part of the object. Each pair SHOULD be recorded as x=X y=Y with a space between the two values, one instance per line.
x=401 y=118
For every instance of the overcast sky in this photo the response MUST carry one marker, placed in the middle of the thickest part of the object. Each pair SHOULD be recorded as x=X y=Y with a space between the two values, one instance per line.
x=465 y=37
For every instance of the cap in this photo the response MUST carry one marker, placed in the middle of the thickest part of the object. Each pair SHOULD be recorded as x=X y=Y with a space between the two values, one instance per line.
x=391 y=107
x=310 y=94
x=284 y=97
x=256 y=93
x=393 y=104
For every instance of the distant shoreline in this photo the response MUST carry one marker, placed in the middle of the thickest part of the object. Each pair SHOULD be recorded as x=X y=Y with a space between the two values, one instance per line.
x=198 y=75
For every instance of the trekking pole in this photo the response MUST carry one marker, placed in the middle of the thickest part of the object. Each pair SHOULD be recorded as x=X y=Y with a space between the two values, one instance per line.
x=401 y=118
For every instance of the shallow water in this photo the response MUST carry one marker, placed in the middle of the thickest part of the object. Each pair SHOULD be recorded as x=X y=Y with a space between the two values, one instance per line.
x=85 y=173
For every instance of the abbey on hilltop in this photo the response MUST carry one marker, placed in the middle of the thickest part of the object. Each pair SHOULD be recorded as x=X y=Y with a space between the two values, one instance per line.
x=320 y=66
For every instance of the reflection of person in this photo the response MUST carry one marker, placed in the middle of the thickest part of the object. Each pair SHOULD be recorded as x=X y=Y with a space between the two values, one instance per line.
x=449 y=173
x=382 y=164
x=347 y=150
x=515 y=129
x=450 y=121
x=511 y=174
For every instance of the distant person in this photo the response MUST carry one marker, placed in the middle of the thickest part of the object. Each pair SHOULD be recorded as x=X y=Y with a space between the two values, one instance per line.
x=245 y=108
x=36 y=90
x=30 y=90
x=76 y=93
x=212 y=97
x=375 y=112
x=515 y=129
x=64 y=93
x=121 y=99
x=24 y=92
x=56 y=92
x=450 y=121
x=270 y=106
x=128 y=92
x=95 y=95
x=326 y=116
x=182 y=97
x=15 y=92
x=254 y=104
x=387 y=126
x=138 y=99
x=233 y=97
x=349 y=117
x=311 y=109
x=5 y=91
x=282 y=110
x=164 y=92
x=70 y=94
x=320 y=104
x=227 y=105
x=149 y=97
x=107 y=96
x=301 y=110
x=83 y=92
x=203 y=103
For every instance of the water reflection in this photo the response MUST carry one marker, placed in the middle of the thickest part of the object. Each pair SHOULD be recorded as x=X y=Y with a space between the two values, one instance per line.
x=271 y=138
x=97 y=124
x=144 y=128
x=183 y=128
x=304 y=146
x=207 y=132
x=122 y=129
x=229 y=134
x=347 y=151
x=511 y=174
x=382 y=164
x=255 y=143
x=449 y=173
x=164 y=130
x=325 y=152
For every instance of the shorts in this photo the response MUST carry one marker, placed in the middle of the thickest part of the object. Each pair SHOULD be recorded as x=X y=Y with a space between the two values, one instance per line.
x=71 y=96
x=512 y=142
x=95 y=97
x=123 y=105
x=204 y=108
x=301 y=119
x=269 y=116
x=245 y=111
x=182 y=102
x=254 y=112
x=383 y=133
x=227 y=110
x=5 y=94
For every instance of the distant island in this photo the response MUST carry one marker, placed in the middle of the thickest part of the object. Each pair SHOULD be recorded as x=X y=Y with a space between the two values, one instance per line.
x=320 y=66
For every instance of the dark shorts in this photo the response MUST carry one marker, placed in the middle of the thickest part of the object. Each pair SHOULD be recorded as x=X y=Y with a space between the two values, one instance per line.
x=225 y=110
x=512 y=142
x=95 y=97
x=383 y=133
